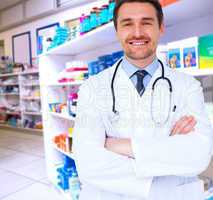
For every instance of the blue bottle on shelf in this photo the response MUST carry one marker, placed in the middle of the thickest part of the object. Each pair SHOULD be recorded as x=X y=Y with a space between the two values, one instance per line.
x=111 y=9
x=93 y=20
x=104 y=16
x=86 y=23
x=74 y=185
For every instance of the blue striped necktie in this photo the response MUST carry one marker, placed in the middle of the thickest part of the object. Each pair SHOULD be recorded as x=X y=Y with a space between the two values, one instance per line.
x=140 y=77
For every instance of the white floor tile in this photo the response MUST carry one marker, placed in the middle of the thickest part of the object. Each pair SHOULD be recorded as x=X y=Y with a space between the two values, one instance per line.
x=10 y=142
x=10 y=183
x=37 y=151
x=36 y=191
x=35 y=170
x=45 y=181
x=6 y=152
x=16 y=160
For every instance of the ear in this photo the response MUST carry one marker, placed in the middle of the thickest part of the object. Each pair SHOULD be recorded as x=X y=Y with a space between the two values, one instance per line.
x=162 y=29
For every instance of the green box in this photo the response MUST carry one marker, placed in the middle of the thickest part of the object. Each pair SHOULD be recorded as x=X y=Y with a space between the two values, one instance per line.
x=206 y=51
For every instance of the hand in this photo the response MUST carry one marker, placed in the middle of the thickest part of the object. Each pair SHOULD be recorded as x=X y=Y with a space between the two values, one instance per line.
x=119 y=145
x=184 y=126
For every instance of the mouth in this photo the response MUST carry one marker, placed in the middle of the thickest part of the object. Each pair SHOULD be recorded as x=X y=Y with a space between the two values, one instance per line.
x=138 y=43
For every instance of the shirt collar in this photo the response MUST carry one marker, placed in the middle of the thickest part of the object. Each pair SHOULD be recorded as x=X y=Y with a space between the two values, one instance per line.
x=130 y=69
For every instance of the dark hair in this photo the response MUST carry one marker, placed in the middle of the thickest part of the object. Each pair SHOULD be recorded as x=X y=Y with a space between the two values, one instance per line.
x=154 y=3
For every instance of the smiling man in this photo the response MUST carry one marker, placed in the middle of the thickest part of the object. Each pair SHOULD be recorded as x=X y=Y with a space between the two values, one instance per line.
x=128 y=144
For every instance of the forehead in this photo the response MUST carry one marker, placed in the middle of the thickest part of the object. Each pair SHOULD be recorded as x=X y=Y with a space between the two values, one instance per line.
x=137 y=10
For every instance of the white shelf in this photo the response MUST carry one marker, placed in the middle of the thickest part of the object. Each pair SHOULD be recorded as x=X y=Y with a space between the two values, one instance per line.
x=30 y=98
x=11 y=113
x=21 y=128
x=30 y=84
x=70 y=155
x=32 y=113
x=63 y=116
x=66 y=83
x=18 y=73
x=94 y=39
x=10 y=84
x=9 y=94
x=9 y=74
x=29 y=72
x=197 y=72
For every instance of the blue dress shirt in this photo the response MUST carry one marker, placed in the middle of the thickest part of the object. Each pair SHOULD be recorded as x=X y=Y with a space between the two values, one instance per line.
x=130 y=69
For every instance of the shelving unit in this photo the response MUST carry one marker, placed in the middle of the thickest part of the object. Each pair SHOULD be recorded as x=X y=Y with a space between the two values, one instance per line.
x=21 y=128
x=70 y=155
x=17 y=98
x=62 y=116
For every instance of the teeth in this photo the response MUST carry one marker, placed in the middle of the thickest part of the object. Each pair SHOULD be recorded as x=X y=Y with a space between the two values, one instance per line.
x=138 y=43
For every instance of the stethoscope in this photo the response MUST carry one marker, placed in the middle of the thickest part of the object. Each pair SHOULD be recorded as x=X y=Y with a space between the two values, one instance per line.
x=162 y=77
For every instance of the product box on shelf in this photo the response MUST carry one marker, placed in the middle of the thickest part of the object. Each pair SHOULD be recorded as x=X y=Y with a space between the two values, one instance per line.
x=183 y=53
x=103 y=62
x=206 y=51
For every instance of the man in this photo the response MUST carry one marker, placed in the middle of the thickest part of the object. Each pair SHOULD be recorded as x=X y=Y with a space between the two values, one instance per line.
x=132 y=155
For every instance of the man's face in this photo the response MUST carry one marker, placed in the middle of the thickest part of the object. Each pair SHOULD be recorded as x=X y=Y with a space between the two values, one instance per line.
x=138 y=30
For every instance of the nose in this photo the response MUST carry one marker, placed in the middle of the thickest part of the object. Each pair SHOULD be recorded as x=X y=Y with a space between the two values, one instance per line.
x=137 y=30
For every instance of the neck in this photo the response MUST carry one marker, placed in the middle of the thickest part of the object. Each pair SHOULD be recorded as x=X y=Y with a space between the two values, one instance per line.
x=143 y=62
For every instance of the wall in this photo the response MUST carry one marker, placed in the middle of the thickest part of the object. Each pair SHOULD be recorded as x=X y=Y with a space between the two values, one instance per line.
x=60 y=17
x=195 y=27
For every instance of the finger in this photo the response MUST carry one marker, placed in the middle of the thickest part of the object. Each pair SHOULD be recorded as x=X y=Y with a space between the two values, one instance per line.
x=187 y=125
x=183 y=124
x=177 y=124
x=189 y=128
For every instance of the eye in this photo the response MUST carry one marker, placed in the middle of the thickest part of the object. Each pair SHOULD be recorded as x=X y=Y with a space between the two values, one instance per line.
x=126 y=24
x=147 y=23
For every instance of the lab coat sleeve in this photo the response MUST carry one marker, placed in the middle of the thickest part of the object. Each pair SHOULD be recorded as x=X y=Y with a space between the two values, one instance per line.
x=180 y=155
x=97 y=166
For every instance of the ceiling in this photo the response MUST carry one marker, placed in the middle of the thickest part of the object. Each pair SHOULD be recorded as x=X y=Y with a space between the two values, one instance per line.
x=7 y=3
x=186 y=10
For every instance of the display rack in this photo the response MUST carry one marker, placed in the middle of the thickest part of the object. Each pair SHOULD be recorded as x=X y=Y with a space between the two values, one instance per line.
x=52 y=63
x=24 y=117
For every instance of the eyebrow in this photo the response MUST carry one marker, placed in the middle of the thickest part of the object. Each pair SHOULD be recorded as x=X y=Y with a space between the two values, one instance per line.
x=143 y=19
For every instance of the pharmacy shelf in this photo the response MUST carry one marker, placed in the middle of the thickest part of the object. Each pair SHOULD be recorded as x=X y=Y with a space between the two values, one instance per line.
x=70 y=155
x=197 y=72
x=9 y=94
x=66 y=83
x=21 y=128
x=10 y=113
x=18 y=73
x=9 y=74
x=63 y=116
x=30 y=84
x=29 y=72
x=10 y=84
x=102 y=36
x=32 y=113
x=31 y=98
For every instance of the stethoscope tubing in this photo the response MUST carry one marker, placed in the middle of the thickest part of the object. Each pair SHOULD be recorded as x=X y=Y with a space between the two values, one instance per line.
x=152 y=93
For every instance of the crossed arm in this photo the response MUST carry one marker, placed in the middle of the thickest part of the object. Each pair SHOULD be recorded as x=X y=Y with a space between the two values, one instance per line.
x=123 y=145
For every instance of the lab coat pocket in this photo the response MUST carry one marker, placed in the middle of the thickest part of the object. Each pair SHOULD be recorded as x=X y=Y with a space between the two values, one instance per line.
x=190 y=191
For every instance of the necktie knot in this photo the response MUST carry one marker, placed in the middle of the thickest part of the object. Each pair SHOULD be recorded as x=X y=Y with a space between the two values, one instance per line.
x=140 y=77
x=141 y=73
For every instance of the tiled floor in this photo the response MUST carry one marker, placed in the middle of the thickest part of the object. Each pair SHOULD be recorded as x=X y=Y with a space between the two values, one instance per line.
x=22 y=168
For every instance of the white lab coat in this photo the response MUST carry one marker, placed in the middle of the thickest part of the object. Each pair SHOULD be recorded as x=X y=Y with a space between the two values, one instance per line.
x=165 y=167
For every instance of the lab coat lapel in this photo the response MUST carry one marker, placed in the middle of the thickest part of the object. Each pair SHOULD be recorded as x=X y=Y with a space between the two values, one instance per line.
x=146 y=126
x=135 y=110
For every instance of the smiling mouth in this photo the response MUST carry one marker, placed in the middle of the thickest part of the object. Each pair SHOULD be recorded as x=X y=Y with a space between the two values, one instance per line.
x=138 y=43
